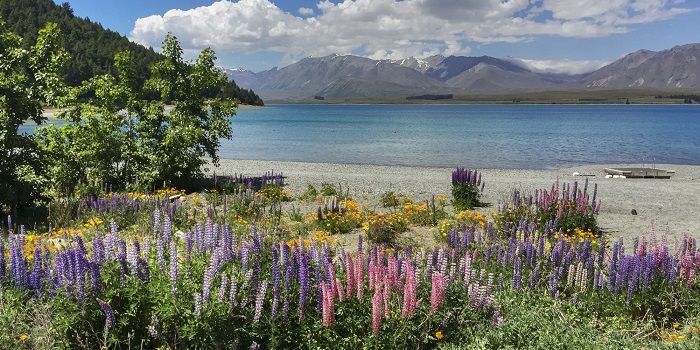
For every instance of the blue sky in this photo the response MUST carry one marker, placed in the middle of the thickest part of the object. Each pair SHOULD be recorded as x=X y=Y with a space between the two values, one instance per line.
x=555 y=35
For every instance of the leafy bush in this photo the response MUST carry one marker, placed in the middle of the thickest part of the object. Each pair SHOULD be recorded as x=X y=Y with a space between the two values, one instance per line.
x=121 y=133
x=383 y=228
x=389 y=199
x=338 y=216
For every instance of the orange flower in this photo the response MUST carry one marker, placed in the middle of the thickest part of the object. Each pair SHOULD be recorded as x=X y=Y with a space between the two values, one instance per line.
x=672 y=336
x=696 y=330
x=439 y=335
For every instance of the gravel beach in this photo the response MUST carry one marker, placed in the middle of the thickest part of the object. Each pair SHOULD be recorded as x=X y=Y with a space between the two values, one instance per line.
x=657 y=202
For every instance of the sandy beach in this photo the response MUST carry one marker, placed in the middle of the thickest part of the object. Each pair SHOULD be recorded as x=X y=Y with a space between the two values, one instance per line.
x=658 y=202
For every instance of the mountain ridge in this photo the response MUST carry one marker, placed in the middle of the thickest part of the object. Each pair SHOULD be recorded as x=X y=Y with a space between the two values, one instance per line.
x=349 y=76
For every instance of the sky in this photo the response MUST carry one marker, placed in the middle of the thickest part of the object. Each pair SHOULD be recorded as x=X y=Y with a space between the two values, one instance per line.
x=567 y=36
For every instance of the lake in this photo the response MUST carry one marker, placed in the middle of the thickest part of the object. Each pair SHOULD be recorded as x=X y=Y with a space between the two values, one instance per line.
x=476 y=136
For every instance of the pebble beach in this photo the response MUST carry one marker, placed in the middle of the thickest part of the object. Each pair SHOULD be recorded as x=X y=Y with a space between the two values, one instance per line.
x=664 y=205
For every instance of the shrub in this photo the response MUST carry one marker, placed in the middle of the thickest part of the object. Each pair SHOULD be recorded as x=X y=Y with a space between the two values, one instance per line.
x=383 y=228
x=338 y=216
x=390 y=199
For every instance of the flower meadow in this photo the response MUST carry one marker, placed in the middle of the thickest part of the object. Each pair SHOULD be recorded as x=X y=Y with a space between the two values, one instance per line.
x=227 y=268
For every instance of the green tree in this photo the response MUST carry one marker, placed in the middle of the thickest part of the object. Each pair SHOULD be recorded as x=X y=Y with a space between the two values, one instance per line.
x=98 y=144
x=152 y=136
x=29 y=80
x=192 y=129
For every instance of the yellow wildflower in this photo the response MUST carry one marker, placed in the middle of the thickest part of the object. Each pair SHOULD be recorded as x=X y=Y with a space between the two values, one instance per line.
x=439 y=335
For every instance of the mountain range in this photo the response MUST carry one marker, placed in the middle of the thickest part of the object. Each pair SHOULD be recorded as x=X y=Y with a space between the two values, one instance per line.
x=348 y=76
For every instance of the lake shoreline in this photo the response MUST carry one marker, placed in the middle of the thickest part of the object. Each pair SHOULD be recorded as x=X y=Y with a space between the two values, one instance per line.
x=657 y=202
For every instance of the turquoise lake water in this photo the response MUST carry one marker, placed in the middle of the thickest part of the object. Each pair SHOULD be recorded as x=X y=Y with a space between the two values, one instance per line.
x=477 y=136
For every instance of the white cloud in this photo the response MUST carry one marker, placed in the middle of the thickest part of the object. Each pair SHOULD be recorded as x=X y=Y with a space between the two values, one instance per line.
x=561 y=66
x=305 y=11
x=393 y=29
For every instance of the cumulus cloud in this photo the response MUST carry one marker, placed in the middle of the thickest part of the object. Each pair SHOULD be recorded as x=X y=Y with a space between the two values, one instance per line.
x=562 y=66
x=393 y=29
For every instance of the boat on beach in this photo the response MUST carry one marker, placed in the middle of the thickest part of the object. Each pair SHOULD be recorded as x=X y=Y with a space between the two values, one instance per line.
x=639 y=173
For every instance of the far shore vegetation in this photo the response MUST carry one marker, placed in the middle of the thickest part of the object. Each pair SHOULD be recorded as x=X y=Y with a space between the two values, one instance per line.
x=618 y=96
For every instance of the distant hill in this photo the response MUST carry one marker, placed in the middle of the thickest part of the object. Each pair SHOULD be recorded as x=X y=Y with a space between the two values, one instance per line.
x=91 y=47
x=678 y=67
x=350 y=76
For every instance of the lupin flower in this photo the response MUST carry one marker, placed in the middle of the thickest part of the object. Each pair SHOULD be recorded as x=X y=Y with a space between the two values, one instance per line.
x=304 y=283
x=259 y=299
x=359 y=276
x=153 y=327
x=349 y=275
x=222 y=289
x=95 y=278
x=109 y=314
x=244 y=288
x=2 y=257
x=437 y=291
x=173 y=266
x=197 y=304
x=122 y=260
x=37 y=274
x=377 y=311
x=233 y=289
x=276 y=282
x=328 y=313
x=18 y=262
x=98 y=249
x=409 y=293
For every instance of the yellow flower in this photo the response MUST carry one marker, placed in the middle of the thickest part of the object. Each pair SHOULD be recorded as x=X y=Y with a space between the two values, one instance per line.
x=696 y=330
x=439 y=335
x=672 y=336
x=23 y=337
x=676 y=325
x=681 y=337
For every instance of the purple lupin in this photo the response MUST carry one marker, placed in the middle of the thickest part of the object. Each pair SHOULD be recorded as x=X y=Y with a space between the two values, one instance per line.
x=275 y=282
x=259 y=299
x=110 y=321
x=173 y=267
x=2 y=257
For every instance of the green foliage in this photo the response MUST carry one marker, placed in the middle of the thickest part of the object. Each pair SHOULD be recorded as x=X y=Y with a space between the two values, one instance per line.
x=90 y=45
x=24 y=324
x=330 y=190
x=119 y=135
x=389 y=199
x=385 y=228
x=28 y=81
x=310 y=194
x=245 y=96
x=465 y=196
